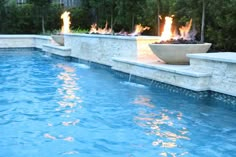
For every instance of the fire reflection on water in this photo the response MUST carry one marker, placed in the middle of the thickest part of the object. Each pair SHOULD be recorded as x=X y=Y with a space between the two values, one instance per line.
x=69 y=138
x=68 y=89
x=71 y=122
x=141 y=100
x=163 y=125
x=69 y=103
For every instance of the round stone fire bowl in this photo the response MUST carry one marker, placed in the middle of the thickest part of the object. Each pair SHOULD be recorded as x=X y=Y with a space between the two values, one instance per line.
x=58 y=38
x=176 y=53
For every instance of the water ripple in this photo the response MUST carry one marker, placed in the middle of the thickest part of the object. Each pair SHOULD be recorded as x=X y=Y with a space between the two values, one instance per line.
x=51 y=107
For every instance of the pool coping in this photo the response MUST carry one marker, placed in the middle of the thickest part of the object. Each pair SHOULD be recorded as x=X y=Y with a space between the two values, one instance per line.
x=118 y=37
x=229 y=57
x=182 y=69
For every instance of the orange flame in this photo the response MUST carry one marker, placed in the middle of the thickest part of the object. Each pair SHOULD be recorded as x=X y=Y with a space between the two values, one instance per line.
x=93 y=28
x=139 y=29
x=104 y=30
x=184 y=30
x=66 y=22
x=167 y=34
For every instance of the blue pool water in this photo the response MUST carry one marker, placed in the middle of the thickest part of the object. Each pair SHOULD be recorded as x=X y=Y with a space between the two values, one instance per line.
x=54 y=108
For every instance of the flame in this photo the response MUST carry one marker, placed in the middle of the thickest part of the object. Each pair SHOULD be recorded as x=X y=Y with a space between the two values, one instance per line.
x=185 y=33
x=184 y=30
x=93 y=28
x=167 y=33
x=66 y=22
x=98 y=30
x=139 y=29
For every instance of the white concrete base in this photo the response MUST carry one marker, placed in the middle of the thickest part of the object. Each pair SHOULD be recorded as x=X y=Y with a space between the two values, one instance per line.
x=58 y=38
x=176 y=53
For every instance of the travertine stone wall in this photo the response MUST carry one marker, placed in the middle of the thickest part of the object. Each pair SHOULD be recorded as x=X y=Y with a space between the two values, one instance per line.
x=196 y=81
x=221 y=66
x=18 y=41
x=12 y=41
x=39 y=41
x=210 y=71
x=102 y=48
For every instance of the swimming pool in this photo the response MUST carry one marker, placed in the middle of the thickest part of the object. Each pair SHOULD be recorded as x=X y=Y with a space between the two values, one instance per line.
x=50 y=107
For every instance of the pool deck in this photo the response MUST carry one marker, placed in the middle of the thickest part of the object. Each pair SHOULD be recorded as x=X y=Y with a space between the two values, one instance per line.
x=209 y=71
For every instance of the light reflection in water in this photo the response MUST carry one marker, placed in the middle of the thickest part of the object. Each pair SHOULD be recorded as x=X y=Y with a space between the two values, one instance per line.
x=70 y=153
x=71 y=122
x=69 y=103
x=165 y=126
x=141 y=100
x=68 y=139
x=50 y=136
x=69 y=88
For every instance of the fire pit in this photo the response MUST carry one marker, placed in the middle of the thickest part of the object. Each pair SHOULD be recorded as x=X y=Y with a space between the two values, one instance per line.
x=172 y=49
x=59 y=38
x=176 y=53
x=108 y=31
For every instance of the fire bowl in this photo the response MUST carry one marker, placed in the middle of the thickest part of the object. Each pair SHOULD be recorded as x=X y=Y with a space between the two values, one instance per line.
x=58 y=38
x=176 y=53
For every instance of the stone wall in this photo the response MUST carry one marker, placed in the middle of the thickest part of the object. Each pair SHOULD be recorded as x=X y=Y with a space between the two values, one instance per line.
x=177 y=76
x=102 y=48
x=221 y=66
x=13 y=41
x=20 y=41
x=39 y=41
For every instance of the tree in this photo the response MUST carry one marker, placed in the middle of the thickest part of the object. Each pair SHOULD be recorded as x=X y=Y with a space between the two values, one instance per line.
x=203 y=19
x=41 y=7
x=2 y=13
x=186 y=10
x=128 y=12
x=220 y=24
x=158 y=17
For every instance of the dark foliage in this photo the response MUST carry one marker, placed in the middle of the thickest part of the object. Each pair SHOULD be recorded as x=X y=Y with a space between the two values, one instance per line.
x=219 y=25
